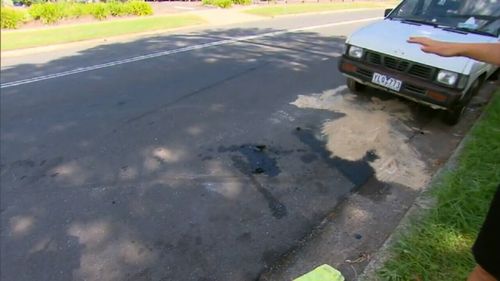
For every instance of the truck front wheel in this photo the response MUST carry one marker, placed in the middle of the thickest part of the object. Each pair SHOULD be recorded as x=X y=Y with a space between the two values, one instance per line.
x=453 y=115
x=355 y=86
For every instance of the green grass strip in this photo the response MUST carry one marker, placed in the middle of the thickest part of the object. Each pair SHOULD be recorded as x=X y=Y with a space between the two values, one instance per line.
x=42 y=37
x=437 y=246
x=288 y=9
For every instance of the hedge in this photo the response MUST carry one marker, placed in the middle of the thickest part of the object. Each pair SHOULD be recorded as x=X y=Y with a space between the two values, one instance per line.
x=226 y=3
x=11 y=18
x=50 y=13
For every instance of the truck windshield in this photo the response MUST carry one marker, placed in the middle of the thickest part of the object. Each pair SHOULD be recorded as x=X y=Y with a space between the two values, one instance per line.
x=475 y=16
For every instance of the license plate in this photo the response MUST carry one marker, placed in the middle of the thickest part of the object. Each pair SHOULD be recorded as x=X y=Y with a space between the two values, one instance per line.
x=386 y=81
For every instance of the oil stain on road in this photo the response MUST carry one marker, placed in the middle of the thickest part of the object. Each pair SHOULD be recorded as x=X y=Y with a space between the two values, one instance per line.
x=254 y=161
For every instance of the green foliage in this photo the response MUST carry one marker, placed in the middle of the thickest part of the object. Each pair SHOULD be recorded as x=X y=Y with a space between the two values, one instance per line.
x=223 y=3
x=99 y=11
x=53 y=12
x=75 y=10
x=47 y=12
x=226 y=3
x=11 y=18
x=219 y=3
x=117 y=9
x=242 y=2
x=138 y=8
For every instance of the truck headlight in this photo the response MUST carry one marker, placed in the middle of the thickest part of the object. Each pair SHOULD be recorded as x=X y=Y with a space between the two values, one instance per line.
x=355 y=52
x=447 y=77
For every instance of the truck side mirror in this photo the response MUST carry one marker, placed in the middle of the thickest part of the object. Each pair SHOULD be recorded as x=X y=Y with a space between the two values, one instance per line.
x=387 y=12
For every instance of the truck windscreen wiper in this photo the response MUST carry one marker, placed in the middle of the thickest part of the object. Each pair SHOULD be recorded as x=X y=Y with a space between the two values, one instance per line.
x=468 y=30
x=413 y=21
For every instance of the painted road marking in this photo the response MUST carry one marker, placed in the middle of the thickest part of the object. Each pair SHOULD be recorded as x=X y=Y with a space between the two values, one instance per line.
x=174 y=51
x=184 y=8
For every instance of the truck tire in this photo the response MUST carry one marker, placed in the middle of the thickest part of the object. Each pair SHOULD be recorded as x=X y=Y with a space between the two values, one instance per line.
x=354 y=86
x=452 y=116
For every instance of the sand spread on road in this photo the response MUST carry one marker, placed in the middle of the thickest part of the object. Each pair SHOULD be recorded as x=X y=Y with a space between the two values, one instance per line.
x=370 y=125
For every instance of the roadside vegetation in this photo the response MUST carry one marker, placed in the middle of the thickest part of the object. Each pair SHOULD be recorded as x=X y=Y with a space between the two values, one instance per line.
x=437 y=245
x=289 y=9
x=48 y=13
x=53 y=12
x=226 y=3
x=34 y=38
x=11 y=18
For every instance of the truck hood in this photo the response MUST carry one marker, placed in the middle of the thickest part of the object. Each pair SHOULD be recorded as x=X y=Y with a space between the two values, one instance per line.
x=390 y=37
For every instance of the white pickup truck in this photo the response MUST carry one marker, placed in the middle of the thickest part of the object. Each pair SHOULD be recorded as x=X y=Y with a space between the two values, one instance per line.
x=379 y=55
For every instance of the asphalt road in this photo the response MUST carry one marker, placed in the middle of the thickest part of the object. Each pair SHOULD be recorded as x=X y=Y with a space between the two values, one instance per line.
x=190 y=164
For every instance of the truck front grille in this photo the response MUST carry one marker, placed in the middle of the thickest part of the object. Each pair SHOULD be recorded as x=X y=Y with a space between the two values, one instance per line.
x=373 y=58
x=366 y=73
x=421 y=71
x=400 y=65
x=414 y=89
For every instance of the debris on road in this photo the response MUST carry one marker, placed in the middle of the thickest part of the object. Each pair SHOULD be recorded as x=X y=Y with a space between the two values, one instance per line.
x=322 y=273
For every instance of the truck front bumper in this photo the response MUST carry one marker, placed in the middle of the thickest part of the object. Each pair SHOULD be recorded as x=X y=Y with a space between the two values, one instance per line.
x=413 y=88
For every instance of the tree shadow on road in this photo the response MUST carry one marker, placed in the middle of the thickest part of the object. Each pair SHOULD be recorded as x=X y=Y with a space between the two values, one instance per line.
x=118 y=173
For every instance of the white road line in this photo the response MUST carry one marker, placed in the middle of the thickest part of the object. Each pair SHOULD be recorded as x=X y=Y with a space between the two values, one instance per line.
x=174 y=51
x=184 y=8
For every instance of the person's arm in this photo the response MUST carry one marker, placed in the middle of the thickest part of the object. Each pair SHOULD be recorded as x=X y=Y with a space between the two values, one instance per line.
x=486 y=52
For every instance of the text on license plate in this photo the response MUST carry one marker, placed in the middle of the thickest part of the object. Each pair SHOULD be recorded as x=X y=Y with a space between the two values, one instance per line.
x=386 y=81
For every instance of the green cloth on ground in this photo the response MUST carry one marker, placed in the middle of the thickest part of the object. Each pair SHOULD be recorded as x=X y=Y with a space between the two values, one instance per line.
x=322 y=273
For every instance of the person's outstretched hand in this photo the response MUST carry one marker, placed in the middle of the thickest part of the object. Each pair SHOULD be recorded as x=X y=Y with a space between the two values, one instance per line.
x=485 y=52
x=435 y=47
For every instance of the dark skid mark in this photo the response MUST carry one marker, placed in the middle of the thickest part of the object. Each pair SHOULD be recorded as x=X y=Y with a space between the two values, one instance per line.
x=245 y=237
x=308 y=158
x=358 y=172
x=271 y=257
x=258 y=159
x=321 y=188
x=278 y=209
x=280 y=152
x=196 y=92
